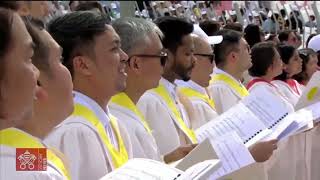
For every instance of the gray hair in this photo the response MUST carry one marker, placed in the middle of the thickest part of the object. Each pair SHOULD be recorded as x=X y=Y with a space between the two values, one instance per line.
x=133 y=32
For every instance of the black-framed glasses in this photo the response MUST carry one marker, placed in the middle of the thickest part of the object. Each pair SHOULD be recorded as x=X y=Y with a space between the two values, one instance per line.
x=210 y=56
x=163 y=57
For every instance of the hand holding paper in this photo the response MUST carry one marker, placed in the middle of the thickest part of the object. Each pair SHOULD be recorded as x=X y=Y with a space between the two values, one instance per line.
x=262 y=151
x=178 y=153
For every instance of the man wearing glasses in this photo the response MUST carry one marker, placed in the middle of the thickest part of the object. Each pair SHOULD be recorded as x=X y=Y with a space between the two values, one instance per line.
x=141 y=41
x=195 y=89
x=160 y=106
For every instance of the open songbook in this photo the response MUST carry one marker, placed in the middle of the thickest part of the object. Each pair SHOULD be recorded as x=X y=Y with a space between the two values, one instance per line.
x=200 y=163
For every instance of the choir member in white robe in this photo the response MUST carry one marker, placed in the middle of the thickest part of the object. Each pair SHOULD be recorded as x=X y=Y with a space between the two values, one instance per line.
x=232 y=60
x=266 y=65
x=233 y=55
x=140 y=37
x=309 y=67
x=91 y=139
x=289 y=88
x=17 y=106
x=202 y=106
x=160 y=106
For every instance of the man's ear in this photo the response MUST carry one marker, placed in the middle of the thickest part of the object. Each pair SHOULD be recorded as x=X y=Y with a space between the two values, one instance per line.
x=135 y=64
x=232 y=57
x=83 y=65
x=41 y=93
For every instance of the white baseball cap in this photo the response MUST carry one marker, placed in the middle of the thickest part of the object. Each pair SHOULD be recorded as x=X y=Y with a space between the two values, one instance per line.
x=314 y=43
x=211 y=39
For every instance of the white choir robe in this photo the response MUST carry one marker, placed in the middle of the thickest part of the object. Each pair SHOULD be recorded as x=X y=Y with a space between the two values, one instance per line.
x=202 y=111
x=81 y=144
x=313 y=153
x=288 y=161
x=285 y=90
x=222 y=94
x=167 y=134
x=8 y=168
x=143 y=143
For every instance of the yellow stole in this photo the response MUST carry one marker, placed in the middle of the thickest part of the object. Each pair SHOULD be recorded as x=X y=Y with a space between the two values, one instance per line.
x=239 y=88
x=118 y=157
x=17 y=139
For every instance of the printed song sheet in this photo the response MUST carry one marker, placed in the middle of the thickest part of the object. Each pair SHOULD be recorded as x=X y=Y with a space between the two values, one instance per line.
x=239 y=119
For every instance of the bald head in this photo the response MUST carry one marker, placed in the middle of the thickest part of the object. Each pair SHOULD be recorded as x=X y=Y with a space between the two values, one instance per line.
x=204 y=66
x=201 y=45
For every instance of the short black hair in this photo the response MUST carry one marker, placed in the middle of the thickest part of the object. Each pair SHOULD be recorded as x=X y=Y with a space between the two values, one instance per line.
x=262 y=56
x=174 y=29
x=210 y=27
x=305 y=56
x=231 y=40
x=286 y=52
x=41 y=49
x=13 y=5
x=6 y=21
x=234 y=26
x=252 y=34
x=87 y=6
x=284 y=35
x=75 y=33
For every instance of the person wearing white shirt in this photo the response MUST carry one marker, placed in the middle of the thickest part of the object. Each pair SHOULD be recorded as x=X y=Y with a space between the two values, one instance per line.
x=232 y=57
x=146 y=60
x=17 y=73
x=267 y=64
x=91 y=138
x=202 y=106
x=160 y=106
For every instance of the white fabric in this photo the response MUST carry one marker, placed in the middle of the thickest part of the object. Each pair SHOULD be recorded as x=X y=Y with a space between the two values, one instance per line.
x=83 y=147
x=143 y=143
x=167 y=134
x=285 y=90
x=8 y=168
x=288 y=161
x=296 y=146
x=313 y=153
x=222 y=94
x=202 y=111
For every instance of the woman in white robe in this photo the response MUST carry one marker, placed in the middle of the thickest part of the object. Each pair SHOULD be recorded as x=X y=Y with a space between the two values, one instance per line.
x=309 y=67
x=290 y=89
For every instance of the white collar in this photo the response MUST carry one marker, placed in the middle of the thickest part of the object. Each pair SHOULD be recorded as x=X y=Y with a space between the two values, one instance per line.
x=220 y=71
x=191 y=84
x=103 y=115
x=171 y=87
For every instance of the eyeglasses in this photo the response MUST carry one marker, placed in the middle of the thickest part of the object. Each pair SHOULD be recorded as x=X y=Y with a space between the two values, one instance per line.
x=210 y=56
x=163 y=57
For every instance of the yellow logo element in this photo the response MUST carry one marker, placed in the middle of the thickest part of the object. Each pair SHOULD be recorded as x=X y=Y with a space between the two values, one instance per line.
x=312 y=93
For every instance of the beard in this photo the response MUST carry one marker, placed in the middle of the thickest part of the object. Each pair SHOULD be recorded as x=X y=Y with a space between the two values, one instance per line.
x=183 y=72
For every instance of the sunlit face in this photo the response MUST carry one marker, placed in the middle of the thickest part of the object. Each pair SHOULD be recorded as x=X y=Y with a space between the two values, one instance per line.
x=109 y=62
x=244 y=58
x=184 y=59
x=204 y=66
x=57 y=84
x=18 y=86
x=150 y=68
x=294 y=65
x=312 y=65
x=277 y=65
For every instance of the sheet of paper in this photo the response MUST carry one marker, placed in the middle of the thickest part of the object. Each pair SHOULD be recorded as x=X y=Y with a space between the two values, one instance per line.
x=232 y=153
x=239 y=119
x=311 y=94
x=201 y=170
x=141 y=169
x=269 y=107
x=203 y=151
